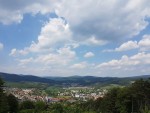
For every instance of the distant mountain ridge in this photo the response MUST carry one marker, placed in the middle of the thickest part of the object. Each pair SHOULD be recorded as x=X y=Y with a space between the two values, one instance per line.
x=24 y=78
x=67 y=81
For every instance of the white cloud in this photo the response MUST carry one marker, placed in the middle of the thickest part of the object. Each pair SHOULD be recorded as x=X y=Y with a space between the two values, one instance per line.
x=62 y=64
x=53 y=51
x=127 y=46
x=105 y=20
x=145 y=43
x=23 y=62
x=61 y=57
x=142 y=45
x=89 y=54
x=93 y=41
x=54 y=29
x=14 y=52
x=8 y=17
x=124 y=47
x=13 y=11
x=126 y=66
x=1 y=46
x=81 y=65
x=55 y=33
x=54 y=63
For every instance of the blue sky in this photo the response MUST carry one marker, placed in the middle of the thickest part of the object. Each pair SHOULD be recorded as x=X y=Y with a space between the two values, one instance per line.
x=67 y=37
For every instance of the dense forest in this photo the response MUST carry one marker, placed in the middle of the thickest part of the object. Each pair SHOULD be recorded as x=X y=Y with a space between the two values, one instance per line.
x=130 y=99
x=67 y=81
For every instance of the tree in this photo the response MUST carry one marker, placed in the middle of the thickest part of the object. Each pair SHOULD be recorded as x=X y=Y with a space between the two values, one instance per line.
x=40 y=106
x=109 y=101
x=57 y=108
x=140 y=93
x=1 y=86
x=124 y=100
x=98 y=104
x=13 y=103
x=27 y=105
x=4 y=108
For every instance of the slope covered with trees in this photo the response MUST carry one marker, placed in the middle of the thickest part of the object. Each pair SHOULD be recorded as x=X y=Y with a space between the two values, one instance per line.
x=30 y=80
x=131 y=99
x=8 y=102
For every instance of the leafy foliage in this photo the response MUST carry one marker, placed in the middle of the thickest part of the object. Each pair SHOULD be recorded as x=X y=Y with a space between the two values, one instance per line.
x=27 y=105
x=129 y=99
x=4 y=108
x=135 y=98
x=13 y=103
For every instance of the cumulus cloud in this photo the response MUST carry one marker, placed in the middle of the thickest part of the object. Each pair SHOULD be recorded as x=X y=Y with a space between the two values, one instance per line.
x=124 y=47
x=105 y=20
x=54 y=63
x=53 y=50
x=55 y=33
x=92 y=41
x=1 y=46
x=145 y=43
x=14 y=52
x=142 y=45
x=23 y=62
x=81 y=65
x=128 y=46
x=61 y=57
x=89 y=54
x=133 y=65
x=13 y=11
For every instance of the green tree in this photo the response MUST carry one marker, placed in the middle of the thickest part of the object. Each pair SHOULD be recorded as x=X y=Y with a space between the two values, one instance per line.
x=124 y=100
x=27 y=111
x=13 y=103
x=140 y=93
x=27 y=105
x=1 y=86
x=98 y=105
x=109 y=101
x=57 y=108
x=4 y=108
x=40 y=106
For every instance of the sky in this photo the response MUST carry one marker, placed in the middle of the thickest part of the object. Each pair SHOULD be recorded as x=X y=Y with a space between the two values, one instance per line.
x=73 y=37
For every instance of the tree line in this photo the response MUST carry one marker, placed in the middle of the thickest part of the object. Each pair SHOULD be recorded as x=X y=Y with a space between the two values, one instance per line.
x=134 y=98
x=131 y=99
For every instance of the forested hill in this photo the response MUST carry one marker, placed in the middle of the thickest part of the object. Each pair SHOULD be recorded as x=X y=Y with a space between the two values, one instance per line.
x=24 y=78
x=90 y=80
x=134 y=98
x=72 y=80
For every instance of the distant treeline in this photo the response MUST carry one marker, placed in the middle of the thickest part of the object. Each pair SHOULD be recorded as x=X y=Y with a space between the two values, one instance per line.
x=131 y=99
x=67 y=81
